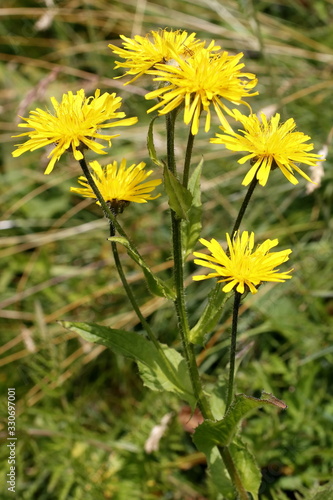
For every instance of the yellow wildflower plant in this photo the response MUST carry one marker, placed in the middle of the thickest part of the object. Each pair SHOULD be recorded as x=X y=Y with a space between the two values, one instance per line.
x=241 y=267
x=269 y=145
x=199 y=82
x=142 y=53
x=119 y=184
x=74 y=125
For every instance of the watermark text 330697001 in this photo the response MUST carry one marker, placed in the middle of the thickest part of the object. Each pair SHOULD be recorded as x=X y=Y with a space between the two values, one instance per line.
x=11 y=444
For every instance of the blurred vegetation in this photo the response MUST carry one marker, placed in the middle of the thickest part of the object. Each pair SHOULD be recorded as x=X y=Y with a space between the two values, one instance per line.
x=83 y=416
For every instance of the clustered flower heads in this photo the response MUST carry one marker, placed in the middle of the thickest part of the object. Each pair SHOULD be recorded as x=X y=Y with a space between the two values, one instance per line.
x=74 y=125
x=192 y=76
x=118 y=183
x=189 y=73
x=197 y=79
x=142 y=53
x=242 y=268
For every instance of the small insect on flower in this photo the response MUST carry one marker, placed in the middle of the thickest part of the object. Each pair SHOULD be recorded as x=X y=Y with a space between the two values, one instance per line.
x=73 y=126
x=242 y=267
x=142 y=53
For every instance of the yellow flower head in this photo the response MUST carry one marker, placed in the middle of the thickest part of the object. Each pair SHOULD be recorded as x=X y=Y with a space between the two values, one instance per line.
x=119 y=184
x=199 y=82
x=242 y=268
x=73 y=126
x=142 y=53
x=269 y=145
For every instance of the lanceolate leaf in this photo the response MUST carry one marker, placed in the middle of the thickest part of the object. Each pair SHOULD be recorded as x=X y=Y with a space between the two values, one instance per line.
x=246 y=466
x=222 y=432
x=211 y=435
x=192 y=228
x=179 y=197
x=161 y=367
x=155 y=379
x=219 y=475
x=210 y=316
x=155 y=284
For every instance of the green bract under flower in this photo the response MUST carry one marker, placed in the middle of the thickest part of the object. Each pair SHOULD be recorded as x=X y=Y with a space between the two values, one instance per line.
x=74 y=125
x=242 y=268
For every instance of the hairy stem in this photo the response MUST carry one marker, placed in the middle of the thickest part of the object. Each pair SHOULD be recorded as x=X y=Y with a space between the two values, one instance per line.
x=128 y=289
x=111 y=215
x=170 y=127
x=233 y=472
x=183 y=319
x=180 y=304
x=188 y=156
x=232 y=357
x=181 y=307
x=243 y=208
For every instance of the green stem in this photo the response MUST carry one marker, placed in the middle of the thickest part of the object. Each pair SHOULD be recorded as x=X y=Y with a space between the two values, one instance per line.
x=232 y=357
x=184 y=329
x=170 y=370
x=128 y=289
x=190 y=355
x=224 y=450
x=109 y=213
x=180 y=304
x=183 y=319
x=188 y=156
x=233 y=472
x=243 y=208
x=111 y=216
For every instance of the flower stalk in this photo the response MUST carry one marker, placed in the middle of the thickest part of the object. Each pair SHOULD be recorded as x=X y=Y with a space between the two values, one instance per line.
x=188 y=156
x=111 y=215
x=128 y=289
x=180 y=304
x=183 y=323
x=244 y=206
x=232 y=356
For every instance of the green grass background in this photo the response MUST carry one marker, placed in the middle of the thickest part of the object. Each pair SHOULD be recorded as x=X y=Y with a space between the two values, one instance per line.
x=83 y=415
